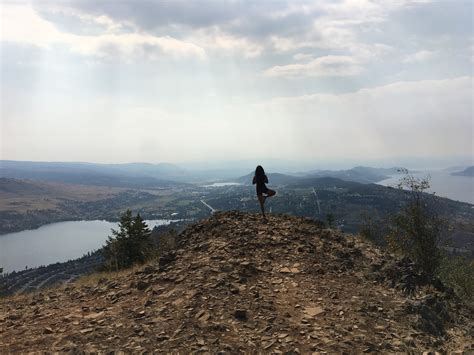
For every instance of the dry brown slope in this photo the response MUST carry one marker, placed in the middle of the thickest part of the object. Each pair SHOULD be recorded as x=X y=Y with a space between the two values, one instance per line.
x=237 y=284
x=18 y=195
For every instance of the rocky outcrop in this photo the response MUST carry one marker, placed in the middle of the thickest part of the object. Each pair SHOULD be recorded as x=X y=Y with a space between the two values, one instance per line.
x=236 y=284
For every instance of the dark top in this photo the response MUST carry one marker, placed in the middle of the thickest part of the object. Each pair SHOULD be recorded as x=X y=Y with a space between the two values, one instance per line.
x=260 y=181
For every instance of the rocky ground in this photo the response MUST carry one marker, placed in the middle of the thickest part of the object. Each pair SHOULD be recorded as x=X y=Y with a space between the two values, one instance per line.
x=236 y=284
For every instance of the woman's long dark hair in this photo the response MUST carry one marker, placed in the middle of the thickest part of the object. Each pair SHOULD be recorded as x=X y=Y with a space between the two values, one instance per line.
x=259 y=172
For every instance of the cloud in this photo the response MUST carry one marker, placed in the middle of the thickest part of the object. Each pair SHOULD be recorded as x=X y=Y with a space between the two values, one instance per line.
x=245 y=18
x=245 y=50
x=254 y=27
x=36 y=31
x=322 y=66
x=302 y=57
x=419 y=56
x=221 y=42
x=339 y=25
x=135 y=45
x=424 y=118
x=229 y=27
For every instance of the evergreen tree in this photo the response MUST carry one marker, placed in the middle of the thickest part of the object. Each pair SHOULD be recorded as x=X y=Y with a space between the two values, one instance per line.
x=141 y=247
x=128 y=245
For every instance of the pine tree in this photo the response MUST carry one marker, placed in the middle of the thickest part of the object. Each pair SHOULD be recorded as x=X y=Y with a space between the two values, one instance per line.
x=141 y=244
x=128 y=245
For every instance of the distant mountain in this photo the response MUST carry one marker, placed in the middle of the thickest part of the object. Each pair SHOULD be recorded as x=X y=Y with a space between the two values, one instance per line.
x=325 y=182
x=454 y=169
x=116 y=175
x=273 y=179
x=146 y=175
x=362 y=174
x=141 y=169
x=466 y=172
x=163 y=171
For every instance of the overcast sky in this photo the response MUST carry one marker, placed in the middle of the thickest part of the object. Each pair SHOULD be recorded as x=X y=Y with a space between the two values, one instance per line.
x=176 y=81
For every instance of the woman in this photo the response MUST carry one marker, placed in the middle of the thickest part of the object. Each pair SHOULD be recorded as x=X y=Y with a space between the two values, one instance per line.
x=261 y=179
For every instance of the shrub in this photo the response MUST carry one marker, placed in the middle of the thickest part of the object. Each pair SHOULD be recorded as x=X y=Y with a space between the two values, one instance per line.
x=458 y=273
x=416 y=230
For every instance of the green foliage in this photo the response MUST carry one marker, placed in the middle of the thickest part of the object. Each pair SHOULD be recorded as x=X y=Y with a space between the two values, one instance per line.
x=130 y=244
x=458 y=273
x=416 y=230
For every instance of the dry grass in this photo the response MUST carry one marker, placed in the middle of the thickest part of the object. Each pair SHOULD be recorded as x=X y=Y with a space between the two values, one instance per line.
x=23 y=204
x=24 y=195
x=93 y=279
x=86 y=280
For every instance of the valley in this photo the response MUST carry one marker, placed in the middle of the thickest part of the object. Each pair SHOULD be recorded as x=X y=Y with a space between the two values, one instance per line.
x=31 y=203
x=28 y=204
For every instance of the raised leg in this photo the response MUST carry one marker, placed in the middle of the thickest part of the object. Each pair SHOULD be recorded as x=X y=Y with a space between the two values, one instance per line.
x=270 y=193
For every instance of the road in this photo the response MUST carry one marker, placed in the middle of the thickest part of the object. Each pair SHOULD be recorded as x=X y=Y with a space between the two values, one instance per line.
x=317 y=200
x=208 y=206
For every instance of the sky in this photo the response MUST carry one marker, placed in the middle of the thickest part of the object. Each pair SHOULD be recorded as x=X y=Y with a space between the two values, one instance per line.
x=183 y=81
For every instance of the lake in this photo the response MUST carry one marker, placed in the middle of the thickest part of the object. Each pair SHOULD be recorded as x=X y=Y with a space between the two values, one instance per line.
x=55 y=242
x=458 y=188
x=223 y=184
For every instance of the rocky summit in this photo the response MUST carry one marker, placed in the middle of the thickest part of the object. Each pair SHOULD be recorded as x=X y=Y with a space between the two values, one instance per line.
x=236 y=284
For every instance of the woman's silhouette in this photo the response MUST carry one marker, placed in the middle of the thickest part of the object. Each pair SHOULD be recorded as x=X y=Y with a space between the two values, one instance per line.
x=261 y=179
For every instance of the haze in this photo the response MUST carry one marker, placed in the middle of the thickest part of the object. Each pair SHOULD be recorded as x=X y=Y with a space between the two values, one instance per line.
x=184 y=81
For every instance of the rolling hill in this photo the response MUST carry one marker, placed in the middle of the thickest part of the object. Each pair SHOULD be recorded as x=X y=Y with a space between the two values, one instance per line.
x=469 y=171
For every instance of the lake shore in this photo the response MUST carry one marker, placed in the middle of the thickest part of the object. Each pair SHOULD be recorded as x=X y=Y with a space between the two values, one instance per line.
x=56 y=242
x=443 y=184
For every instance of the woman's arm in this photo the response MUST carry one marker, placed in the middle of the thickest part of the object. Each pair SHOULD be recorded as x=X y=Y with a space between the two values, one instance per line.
x=266 y=179
x=254 y=181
